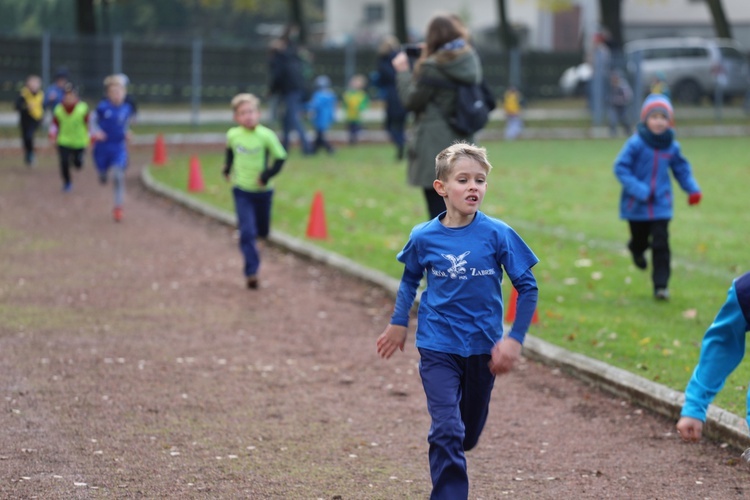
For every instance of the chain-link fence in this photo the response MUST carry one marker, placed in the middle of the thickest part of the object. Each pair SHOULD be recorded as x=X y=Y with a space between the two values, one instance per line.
x=190 y=72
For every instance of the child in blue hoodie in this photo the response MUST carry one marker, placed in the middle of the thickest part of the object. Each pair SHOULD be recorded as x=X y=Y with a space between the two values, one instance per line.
x=643 y=168
x=322 y=107
x=722 y=350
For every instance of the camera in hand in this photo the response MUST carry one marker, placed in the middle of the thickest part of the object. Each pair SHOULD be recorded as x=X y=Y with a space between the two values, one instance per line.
x=413 y=50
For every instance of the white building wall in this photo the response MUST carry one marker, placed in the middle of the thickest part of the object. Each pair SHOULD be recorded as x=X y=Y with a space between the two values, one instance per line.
x=345 y=18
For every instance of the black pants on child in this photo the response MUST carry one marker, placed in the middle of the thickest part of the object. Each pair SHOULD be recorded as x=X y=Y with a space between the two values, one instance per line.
x=66 y=154
x=28 y=129
x=654 y=234
x=321 y=142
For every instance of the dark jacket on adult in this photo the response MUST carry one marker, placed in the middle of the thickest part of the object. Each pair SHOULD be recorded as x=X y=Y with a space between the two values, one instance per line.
x=394 y=110
x=433 y=105
x=287 y=71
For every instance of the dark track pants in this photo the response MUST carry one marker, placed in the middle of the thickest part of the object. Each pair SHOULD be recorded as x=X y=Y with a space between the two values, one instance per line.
x=458 y=391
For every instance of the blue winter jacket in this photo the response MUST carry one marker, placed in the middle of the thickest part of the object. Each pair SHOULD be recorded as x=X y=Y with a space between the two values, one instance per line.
x=323 y=109
x=643 y=172
x=722 y=351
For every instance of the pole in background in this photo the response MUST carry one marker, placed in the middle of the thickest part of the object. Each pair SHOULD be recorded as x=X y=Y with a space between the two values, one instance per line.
x=46 y=59
x=196 y=82
x=117 y=54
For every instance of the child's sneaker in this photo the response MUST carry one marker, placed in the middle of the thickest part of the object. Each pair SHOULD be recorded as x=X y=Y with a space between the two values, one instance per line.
x=67 y=187
x=252 y=282
x=117 y=214
x=661 y=294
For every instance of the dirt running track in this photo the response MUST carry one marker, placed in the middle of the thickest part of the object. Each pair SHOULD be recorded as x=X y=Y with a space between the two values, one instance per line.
x=133 y=364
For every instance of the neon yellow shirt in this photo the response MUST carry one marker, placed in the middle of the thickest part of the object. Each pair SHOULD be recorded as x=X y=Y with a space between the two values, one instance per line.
x=72 y=127
x=355 y=101
x=33 y=103
x=511 y=103
x=253 y=151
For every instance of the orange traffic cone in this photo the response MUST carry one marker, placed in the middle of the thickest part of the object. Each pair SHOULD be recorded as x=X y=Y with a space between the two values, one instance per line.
x=510 y=313
x=160 y=151
x=195 y=178
x=316 y=226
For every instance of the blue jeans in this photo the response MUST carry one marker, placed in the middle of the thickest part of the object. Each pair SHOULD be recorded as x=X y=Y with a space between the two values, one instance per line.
x=253 y=221
x=293 y=120
x=458 y=391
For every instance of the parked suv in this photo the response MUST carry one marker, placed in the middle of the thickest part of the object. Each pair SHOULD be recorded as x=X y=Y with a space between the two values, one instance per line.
x=691 y=67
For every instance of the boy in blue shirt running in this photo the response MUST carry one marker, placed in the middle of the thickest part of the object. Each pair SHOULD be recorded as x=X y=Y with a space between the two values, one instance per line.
x=459 y=335
x=721 y=352
x=110 y=125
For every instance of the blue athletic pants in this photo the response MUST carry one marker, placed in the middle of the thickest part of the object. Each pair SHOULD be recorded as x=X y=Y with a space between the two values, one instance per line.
x=254 y=221
x=458 y=391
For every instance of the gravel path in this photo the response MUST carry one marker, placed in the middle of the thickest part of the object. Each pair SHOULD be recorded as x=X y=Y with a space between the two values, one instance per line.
x=134 y=364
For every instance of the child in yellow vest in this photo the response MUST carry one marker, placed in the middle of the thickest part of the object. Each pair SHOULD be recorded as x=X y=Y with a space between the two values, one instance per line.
x=70 y=123
x=356 y=101
x=512 y=107
x=30 y=107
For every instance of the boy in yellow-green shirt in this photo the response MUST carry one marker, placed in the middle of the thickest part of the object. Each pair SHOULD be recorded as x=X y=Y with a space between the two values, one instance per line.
x=356 y=101
x=70 y=130
x=254 y=156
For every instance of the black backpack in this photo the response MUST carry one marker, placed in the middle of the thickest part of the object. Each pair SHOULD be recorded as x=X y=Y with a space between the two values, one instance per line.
x=474 y=102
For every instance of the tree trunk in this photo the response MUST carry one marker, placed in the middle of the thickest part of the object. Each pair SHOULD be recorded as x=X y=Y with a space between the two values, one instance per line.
x=297 y=18
x=508 y=39
x=400 y=26
x=85 y=20
x=612 y=21
x=721 y=25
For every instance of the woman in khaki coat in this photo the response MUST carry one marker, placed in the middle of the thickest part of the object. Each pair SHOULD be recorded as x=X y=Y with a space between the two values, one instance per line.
x=446 y=56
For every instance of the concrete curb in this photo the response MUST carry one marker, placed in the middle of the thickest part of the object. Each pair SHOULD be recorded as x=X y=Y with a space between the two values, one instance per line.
x=720 y=426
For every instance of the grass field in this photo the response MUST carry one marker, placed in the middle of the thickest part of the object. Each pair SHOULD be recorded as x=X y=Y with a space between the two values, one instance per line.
x=562 y=197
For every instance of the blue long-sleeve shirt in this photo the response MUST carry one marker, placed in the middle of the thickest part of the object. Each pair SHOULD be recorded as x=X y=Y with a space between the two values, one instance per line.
x=461 y=310
x=721 y=352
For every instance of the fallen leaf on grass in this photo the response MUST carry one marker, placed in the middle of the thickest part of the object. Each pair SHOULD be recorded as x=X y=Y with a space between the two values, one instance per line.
x=690 y=313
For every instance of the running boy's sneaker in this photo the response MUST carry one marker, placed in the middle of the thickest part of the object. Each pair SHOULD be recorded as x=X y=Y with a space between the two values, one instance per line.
x=67 y=187
x=117 y=214
x=252 y=282
x=661 y=294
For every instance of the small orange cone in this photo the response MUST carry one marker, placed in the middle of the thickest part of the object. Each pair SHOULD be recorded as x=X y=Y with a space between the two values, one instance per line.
x=316 y=226
x=160 y=151
x=510 y=313
x=195 y=179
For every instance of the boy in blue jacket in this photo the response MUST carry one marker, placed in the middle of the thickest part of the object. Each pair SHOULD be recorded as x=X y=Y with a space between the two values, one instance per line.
x=322 y=106
x=722 y=350
x=642 y=167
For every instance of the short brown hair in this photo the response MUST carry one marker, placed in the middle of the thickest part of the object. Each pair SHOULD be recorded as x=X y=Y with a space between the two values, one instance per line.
x=240 y=99
x=447 y=158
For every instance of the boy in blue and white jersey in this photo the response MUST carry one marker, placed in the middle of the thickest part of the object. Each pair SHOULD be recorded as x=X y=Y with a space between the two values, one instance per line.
x=463 y=253
x=111 y=130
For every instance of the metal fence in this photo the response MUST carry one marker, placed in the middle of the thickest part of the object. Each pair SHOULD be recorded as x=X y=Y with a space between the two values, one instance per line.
x=188 y=71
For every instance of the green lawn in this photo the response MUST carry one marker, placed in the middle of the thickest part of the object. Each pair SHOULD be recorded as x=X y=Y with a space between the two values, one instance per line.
x=562 y=197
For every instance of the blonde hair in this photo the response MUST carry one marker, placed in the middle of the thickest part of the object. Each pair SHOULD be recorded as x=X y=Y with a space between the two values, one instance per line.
x=243 y=98
x=358 y=82
x=112 y=80
x=447 y=158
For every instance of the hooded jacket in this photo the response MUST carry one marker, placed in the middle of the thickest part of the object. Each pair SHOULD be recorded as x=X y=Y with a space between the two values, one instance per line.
x=722 y=350
x=432 y=105
x=643 y=170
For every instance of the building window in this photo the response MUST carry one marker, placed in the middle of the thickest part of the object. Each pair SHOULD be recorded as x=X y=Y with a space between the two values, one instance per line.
x=374 y=13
